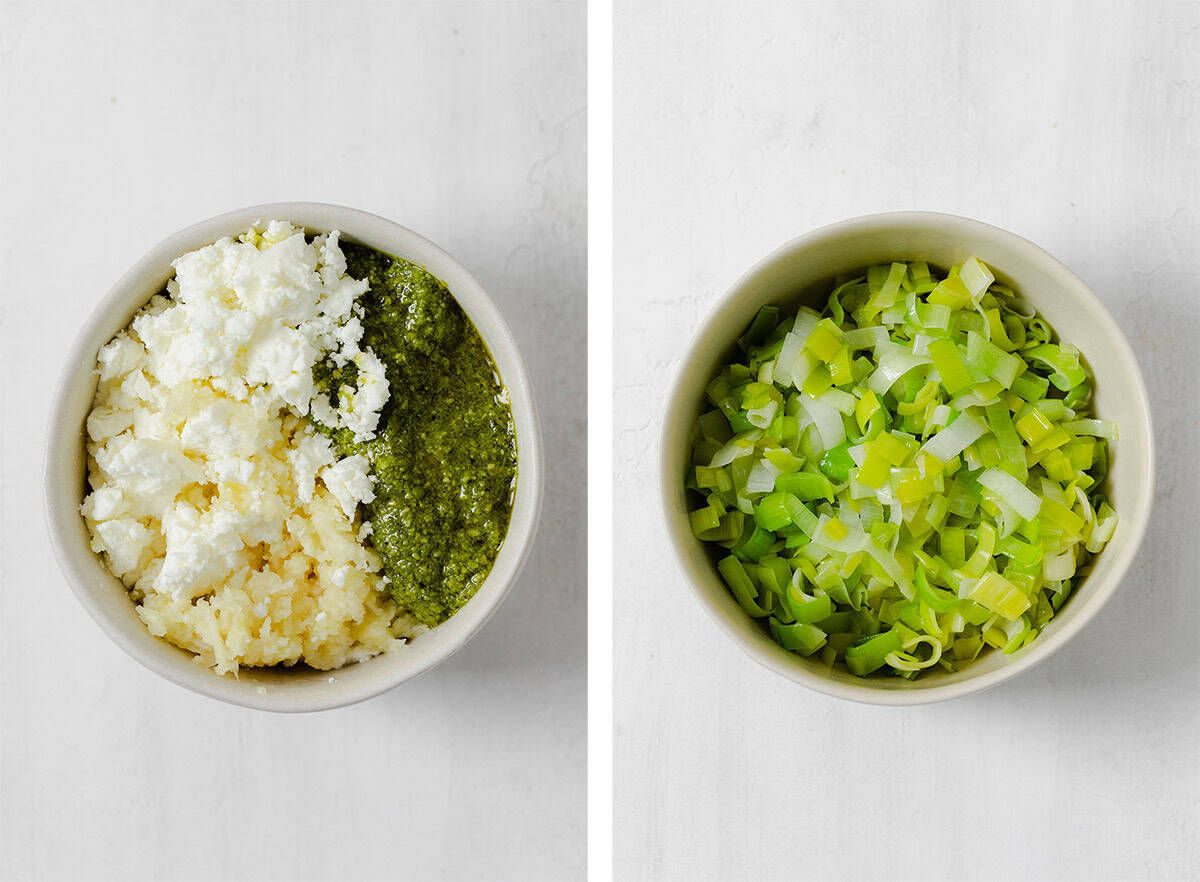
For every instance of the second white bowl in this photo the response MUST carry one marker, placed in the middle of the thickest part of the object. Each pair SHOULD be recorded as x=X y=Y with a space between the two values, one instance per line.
x=801 y=273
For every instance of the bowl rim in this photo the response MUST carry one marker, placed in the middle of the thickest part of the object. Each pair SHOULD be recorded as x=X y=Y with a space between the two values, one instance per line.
x=129 y=293
x=681 y=538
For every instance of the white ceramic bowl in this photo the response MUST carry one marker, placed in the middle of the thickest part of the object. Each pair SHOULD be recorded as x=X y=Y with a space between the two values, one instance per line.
x=103 y=595
x=801 y=273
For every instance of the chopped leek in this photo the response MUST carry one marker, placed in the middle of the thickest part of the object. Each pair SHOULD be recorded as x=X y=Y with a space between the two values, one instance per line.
x=906 y=479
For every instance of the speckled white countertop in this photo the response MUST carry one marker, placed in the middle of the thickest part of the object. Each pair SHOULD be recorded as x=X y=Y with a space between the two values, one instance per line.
x=740 y=125
x=123 y=122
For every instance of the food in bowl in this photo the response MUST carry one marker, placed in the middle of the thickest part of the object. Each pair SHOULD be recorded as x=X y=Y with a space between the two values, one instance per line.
x=906 y=479
x=300 y=452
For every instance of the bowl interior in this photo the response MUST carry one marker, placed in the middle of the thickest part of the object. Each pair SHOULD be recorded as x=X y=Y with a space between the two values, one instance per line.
x=802 y=273
x=105 y=597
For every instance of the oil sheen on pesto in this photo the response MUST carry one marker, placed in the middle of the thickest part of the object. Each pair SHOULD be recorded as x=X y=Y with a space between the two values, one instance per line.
x=445 y=456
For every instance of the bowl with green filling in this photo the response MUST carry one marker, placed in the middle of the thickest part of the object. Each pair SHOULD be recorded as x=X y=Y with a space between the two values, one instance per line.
x=294 y=458
x=906 y=457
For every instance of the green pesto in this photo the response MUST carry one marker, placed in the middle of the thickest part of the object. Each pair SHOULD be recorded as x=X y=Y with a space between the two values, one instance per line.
x=445 y=456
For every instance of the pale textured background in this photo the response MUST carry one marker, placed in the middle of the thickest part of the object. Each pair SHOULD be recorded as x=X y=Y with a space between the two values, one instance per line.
x=122 y=124
x=740 y=125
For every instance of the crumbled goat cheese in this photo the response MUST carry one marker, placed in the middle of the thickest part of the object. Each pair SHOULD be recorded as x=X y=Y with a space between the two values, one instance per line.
x=261 y=311
x=349 y=480
x=232 y=520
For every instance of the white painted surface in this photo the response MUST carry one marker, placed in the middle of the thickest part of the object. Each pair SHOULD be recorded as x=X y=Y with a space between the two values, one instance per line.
x=121 y=124
x=739 y=125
